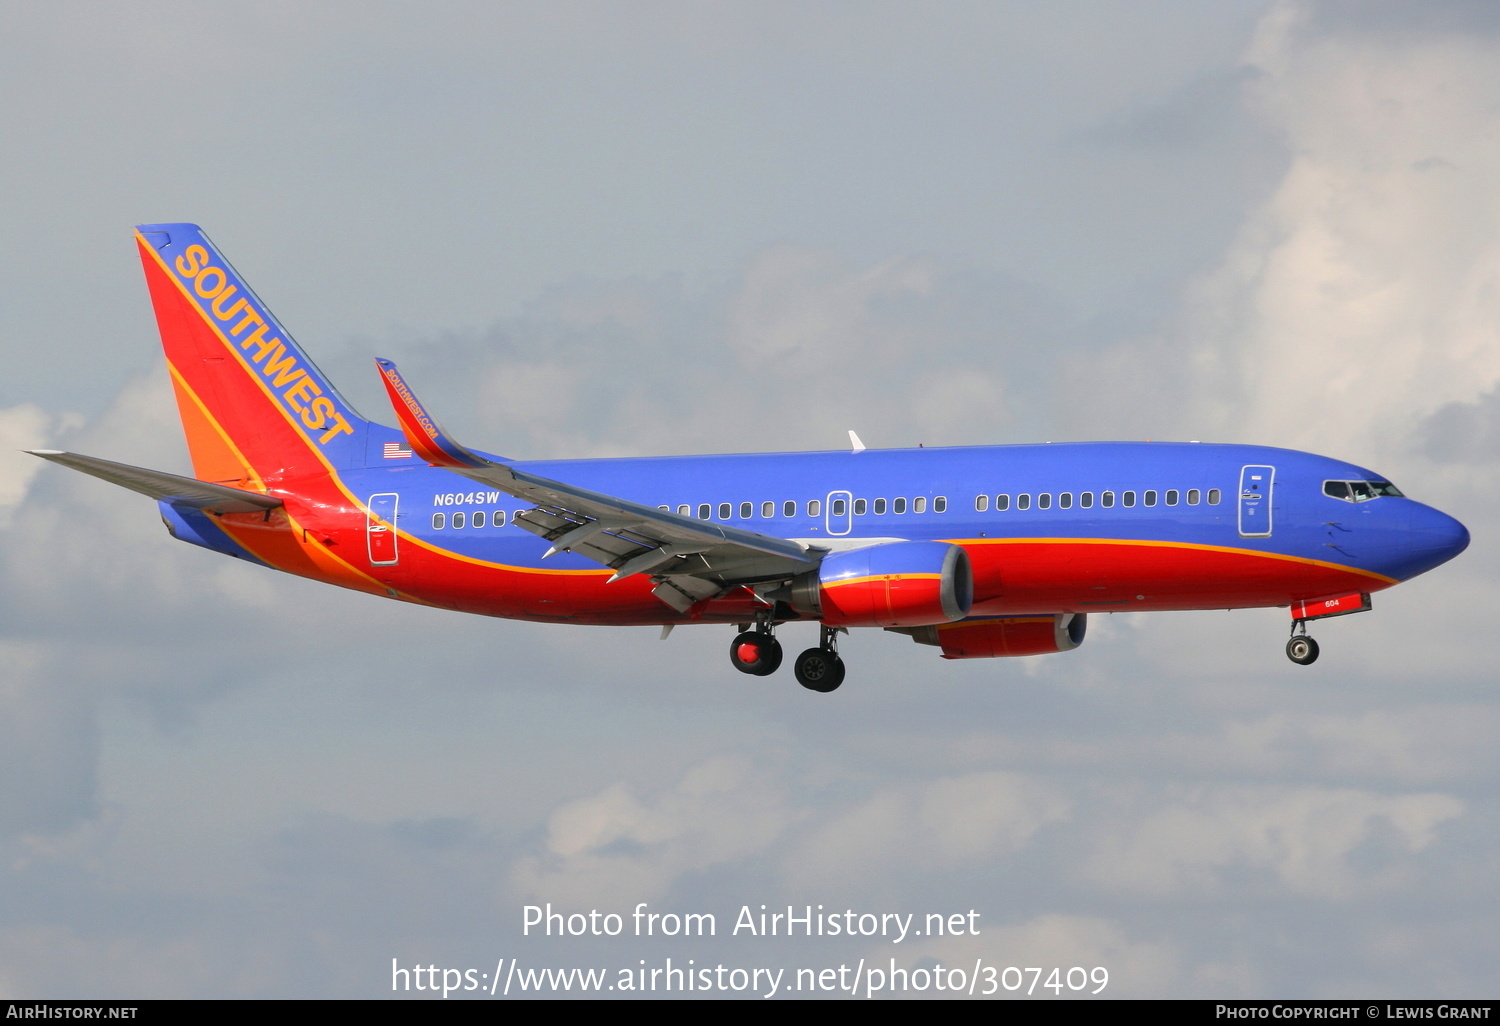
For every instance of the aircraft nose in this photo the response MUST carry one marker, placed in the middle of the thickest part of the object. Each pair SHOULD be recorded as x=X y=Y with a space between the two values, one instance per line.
x=1434 y=536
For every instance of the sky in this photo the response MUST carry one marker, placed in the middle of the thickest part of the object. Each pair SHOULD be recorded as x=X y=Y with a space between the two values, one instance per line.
x=598 y=229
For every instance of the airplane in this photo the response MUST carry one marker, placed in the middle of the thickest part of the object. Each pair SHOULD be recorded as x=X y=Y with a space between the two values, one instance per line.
x=980 y=551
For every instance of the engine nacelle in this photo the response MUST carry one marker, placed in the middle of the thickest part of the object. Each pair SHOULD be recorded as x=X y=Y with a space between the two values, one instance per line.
x=990 y=637
x=898 y=584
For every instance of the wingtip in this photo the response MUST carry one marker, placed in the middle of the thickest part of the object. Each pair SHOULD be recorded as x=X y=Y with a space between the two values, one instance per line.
x=422 y=432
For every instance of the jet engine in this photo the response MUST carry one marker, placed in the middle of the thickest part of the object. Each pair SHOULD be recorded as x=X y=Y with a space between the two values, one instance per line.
x=988 y=637
x=898 y=584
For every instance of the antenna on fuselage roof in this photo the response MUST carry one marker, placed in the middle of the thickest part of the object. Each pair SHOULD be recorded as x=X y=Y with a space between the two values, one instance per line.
x=855 y=442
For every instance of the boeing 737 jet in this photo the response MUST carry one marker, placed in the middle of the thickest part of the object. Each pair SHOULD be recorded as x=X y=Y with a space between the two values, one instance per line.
x=978 y=551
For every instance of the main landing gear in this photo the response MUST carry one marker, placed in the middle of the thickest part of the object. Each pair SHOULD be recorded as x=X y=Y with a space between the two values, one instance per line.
x=1301 y=649
x=757 y=652
x=821 y=669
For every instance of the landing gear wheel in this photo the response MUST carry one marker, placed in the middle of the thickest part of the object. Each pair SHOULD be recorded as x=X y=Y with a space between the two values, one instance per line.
x=1302 y=650
x=819 y=669
x=756 y=653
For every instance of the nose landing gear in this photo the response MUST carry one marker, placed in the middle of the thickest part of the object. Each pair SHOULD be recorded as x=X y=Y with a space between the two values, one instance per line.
x=1301 y=649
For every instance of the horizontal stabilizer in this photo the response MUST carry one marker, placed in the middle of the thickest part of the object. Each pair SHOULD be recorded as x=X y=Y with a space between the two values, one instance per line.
x=180 y=491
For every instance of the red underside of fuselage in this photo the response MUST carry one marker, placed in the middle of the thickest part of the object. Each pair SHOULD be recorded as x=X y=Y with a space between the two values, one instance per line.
x=1010 y=577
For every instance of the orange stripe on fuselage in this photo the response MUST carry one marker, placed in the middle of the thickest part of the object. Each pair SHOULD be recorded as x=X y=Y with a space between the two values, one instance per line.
x=828 y=585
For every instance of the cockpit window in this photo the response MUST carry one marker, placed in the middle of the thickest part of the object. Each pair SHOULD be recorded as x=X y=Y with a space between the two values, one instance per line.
x=1360 y=491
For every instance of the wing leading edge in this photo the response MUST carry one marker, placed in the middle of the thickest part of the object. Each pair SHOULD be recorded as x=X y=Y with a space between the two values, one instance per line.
x=690 y=560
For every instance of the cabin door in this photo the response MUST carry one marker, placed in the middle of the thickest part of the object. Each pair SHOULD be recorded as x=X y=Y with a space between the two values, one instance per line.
x=1255 y=501
x=380 y=529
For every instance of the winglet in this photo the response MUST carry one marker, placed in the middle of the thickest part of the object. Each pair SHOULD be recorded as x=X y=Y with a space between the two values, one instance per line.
x=423 y=433
x=855 y=442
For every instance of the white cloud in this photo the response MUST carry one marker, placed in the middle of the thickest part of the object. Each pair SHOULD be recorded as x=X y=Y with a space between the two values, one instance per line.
x=909 y=831
x=1366 y=293
x=26 y=426
x=1301 y=840
x=614 y=846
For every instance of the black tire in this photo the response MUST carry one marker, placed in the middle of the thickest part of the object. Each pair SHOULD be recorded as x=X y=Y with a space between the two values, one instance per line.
x=1302 y=650
x=820 y=670
x=765 y=658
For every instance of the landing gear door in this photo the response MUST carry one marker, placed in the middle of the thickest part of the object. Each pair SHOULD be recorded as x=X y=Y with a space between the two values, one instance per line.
x=1255 y=501
x=840 y=515
x=380 y=530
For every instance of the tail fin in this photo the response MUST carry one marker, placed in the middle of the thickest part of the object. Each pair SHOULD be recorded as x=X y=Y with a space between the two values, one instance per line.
x=253 y=406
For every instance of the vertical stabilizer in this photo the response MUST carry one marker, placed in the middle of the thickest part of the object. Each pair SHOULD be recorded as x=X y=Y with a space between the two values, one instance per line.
x=254 y=407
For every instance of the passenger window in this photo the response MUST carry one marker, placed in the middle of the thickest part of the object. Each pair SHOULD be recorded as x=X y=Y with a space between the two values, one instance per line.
x=1044 y=501
x=919 y=504
x=1065 y=500
x=1213 y=496
x=814 y=508
x=1128 y=499
x=479 y=519
x=981 y=503
x=1194 y=496
x=940 y=504
x=458 y=520
x=747 y=510
x=860 y=506
x=789 y=508
x=439 y=521
x=898 y=505
x=837 y=508
x=880 y=507
x=705 y=511
x=498 y=518
x=1151 y=497
x=1086 y=500
x=768 y=510
x=685 y=510
x=1002 y=503
x=1171 y=496
x=1023 y=502
x=724 y=510
x=1106 y=499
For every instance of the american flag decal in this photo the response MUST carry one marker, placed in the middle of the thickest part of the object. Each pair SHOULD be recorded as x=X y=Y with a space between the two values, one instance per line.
x=396 y=451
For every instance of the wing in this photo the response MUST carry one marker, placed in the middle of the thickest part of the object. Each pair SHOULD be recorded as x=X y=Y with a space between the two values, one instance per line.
x=180 y=491
x=690 y=560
